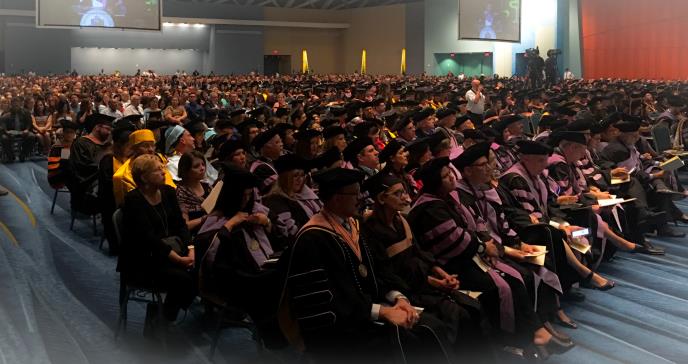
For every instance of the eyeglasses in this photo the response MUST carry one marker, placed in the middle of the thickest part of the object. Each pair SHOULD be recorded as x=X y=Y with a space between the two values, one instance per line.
x=480 y=164
x=398 y=193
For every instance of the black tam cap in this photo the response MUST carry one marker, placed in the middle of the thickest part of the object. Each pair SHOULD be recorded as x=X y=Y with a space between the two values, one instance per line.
x=290 y=162
x=355 y=147
x=261 y=139
x=461 y=119
x=580 y=125
x=327 y=159
x=307 y=134
x=228 y=148
x=627 y=126
x=422 y=114
x=571 y=136
x=364 y=128
x=333 y=131
x=379 y=183
x=330 y=181
x=237 y=178
x=195 y=127
x=392 y=148
x=530 y=147
x=430 y=172
x=472 y=154
x=401 y=124
x=505 y=121
x=444 y=112
x=97 y=119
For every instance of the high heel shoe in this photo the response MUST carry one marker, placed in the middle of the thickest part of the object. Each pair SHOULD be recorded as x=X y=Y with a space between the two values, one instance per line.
x=570 y=324
x=558 y=346
x=587 y=283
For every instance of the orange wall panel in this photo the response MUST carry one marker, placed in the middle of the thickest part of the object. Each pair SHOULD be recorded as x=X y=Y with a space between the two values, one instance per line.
x=634 y=39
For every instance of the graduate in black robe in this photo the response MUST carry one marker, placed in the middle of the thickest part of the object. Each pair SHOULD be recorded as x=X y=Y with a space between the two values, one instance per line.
x=623 y=152
x=438 y=221
x=291 y=201
x=84 y=160
x=527 y=198
x=401 y=261
x=334 y=294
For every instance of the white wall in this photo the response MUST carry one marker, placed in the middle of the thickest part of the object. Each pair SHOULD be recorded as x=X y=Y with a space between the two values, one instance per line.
x=538 y=28
x=127 y=61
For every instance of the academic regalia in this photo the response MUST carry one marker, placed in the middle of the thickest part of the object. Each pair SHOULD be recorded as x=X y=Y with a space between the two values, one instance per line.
x=266 y=173
x=484 y=207
x=123 y=182
x=401 y=260
x=85 y=156
x=442 y=230
x=290 y=214
x=332 y=293
x=505 y=156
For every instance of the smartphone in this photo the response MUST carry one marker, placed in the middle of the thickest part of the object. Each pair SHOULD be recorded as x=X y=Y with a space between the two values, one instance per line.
x=579 y=233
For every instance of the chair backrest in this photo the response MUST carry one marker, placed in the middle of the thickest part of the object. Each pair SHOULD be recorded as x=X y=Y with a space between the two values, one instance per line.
x=118 y=224
x=662 y=138
x=56 y=177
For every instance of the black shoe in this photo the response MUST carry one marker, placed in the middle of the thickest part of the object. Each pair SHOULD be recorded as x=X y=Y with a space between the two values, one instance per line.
x=557 y=346
x=667 y=232
x=574 y=295
x=567 y=324
x=587 y=283
x=648 y=248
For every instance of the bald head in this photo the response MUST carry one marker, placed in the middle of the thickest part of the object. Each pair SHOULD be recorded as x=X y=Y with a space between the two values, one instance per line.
x=475 y=84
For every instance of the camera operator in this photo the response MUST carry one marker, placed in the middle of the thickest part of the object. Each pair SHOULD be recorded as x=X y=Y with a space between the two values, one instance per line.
x=535 y=67
x=551 y=68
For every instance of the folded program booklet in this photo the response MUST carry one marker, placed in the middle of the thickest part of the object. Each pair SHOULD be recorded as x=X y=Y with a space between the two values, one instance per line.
x=613 y=201
x=671 y=164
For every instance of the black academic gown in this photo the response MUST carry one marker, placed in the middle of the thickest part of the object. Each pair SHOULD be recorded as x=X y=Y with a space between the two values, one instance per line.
x=442 y=230
x=402 y=263
x=331 y=293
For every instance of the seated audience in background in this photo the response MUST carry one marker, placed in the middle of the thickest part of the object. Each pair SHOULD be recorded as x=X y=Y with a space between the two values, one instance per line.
x=179 y=141
x=16 y=125
x=155 y=246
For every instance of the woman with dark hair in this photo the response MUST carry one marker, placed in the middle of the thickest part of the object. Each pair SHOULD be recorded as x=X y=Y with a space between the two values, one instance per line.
x=85 y=109
x=191 y=190
x=395 y=157
x=42 y=124
x=307 y=144
x=236 y=254
x=291 y=201
x=62 y=112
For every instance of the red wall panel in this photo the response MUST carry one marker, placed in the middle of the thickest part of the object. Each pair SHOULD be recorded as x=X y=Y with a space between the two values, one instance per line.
x=634 y=39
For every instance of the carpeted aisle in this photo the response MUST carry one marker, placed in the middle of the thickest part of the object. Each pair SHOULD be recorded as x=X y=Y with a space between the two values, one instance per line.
x=58 y=298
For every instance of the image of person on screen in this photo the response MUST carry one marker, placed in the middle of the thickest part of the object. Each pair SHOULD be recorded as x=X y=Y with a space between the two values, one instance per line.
x=97 y=15
x=487 y=32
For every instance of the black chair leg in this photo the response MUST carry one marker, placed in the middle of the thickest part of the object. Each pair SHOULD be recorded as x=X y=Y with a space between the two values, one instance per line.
x=71 y=226
x=52 y=209
x=123 y=303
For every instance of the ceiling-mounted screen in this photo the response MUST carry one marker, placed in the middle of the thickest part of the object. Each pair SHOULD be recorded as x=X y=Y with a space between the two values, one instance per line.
x=125 y=14
x=493 y=20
